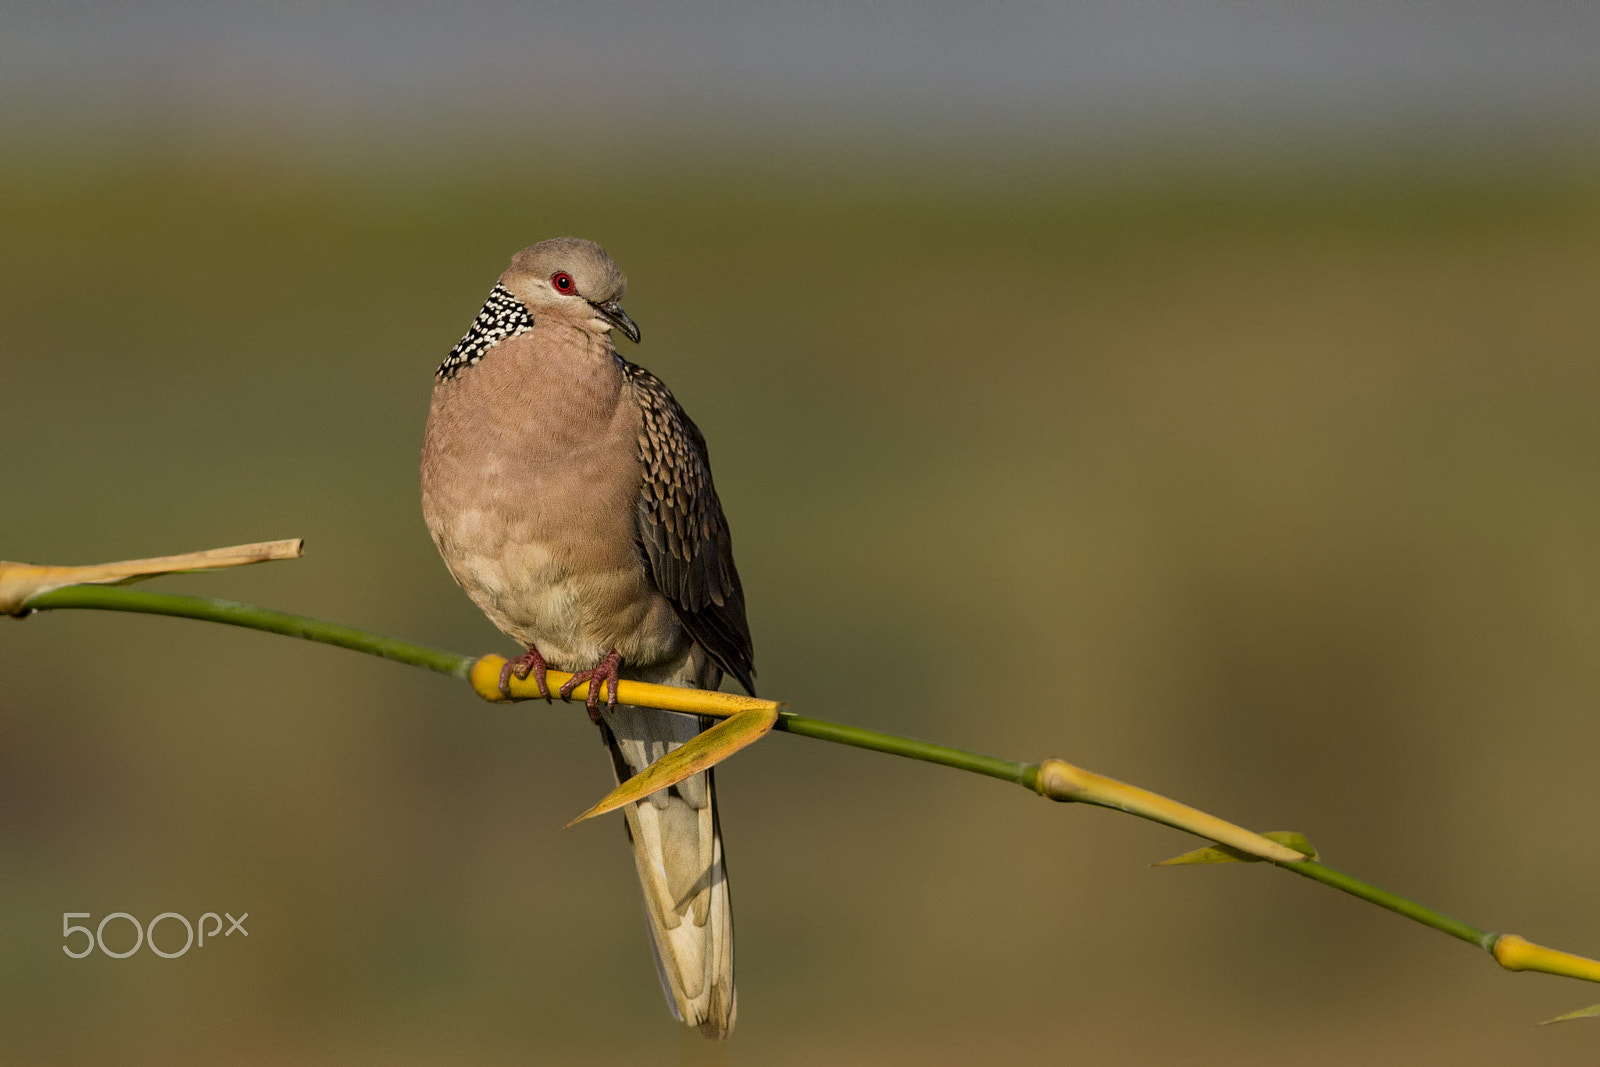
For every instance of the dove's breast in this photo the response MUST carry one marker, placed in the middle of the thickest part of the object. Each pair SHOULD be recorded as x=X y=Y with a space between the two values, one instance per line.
x=530 y=484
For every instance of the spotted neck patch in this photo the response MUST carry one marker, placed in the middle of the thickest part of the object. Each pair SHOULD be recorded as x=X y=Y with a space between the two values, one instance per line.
x=503 y=316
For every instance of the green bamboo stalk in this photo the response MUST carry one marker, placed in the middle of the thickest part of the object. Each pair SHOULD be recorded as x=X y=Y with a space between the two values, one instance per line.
x=1026 y=775
x=1052 y=778
x=232 y=613
x=1023 y=774
x=1345 y=883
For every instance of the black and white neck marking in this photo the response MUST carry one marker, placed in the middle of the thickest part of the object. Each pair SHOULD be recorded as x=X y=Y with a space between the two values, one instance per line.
x=503 y=316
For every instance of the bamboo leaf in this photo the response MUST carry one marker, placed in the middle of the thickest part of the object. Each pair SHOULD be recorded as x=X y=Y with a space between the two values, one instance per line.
x=1590 y=1012
x=706 y=750
x=1228 y=854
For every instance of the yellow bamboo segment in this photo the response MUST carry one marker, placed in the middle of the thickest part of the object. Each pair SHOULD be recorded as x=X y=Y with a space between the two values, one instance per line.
x=1060 y=780
x=705 y=750
x=21 y=582
x=1519 y=954
x=485 y=678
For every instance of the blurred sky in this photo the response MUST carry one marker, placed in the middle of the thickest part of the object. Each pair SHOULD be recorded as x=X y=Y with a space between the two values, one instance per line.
x=1097 y=77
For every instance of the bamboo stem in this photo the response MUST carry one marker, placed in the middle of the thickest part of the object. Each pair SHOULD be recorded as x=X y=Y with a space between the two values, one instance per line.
x=1052 y=778
x=1345 y=883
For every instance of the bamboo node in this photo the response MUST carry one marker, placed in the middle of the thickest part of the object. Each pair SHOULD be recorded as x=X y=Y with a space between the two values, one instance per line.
x=1058 y=780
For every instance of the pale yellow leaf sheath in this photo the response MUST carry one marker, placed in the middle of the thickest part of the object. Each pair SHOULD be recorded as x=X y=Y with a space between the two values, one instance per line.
x=21 y=582
x=1060 y=780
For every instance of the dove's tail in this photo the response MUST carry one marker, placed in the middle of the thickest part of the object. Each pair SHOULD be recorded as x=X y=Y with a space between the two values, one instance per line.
x=677 y=848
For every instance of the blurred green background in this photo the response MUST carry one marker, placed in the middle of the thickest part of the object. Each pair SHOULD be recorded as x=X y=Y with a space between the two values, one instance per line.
x=1265 y=479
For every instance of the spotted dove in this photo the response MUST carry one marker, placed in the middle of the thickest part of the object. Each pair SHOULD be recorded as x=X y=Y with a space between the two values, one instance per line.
x=571 y=497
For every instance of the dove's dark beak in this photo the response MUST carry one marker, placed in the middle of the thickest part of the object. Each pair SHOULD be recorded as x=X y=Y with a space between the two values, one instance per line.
x=612 y=312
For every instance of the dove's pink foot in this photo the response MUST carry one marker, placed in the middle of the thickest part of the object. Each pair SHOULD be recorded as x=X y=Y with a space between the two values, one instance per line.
x=597 y=677
x=528 y=663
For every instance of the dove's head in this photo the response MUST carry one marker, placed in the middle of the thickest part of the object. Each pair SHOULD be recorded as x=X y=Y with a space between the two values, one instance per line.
x=573 y=281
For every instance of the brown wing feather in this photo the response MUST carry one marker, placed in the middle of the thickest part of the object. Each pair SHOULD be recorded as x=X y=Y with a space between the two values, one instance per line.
x=682 y=531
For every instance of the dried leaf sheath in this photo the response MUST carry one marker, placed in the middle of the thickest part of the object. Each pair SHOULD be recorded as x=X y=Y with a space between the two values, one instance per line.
x=21 y=582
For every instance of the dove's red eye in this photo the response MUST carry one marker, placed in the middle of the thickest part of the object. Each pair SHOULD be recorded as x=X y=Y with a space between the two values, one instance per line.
x=562 y=281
